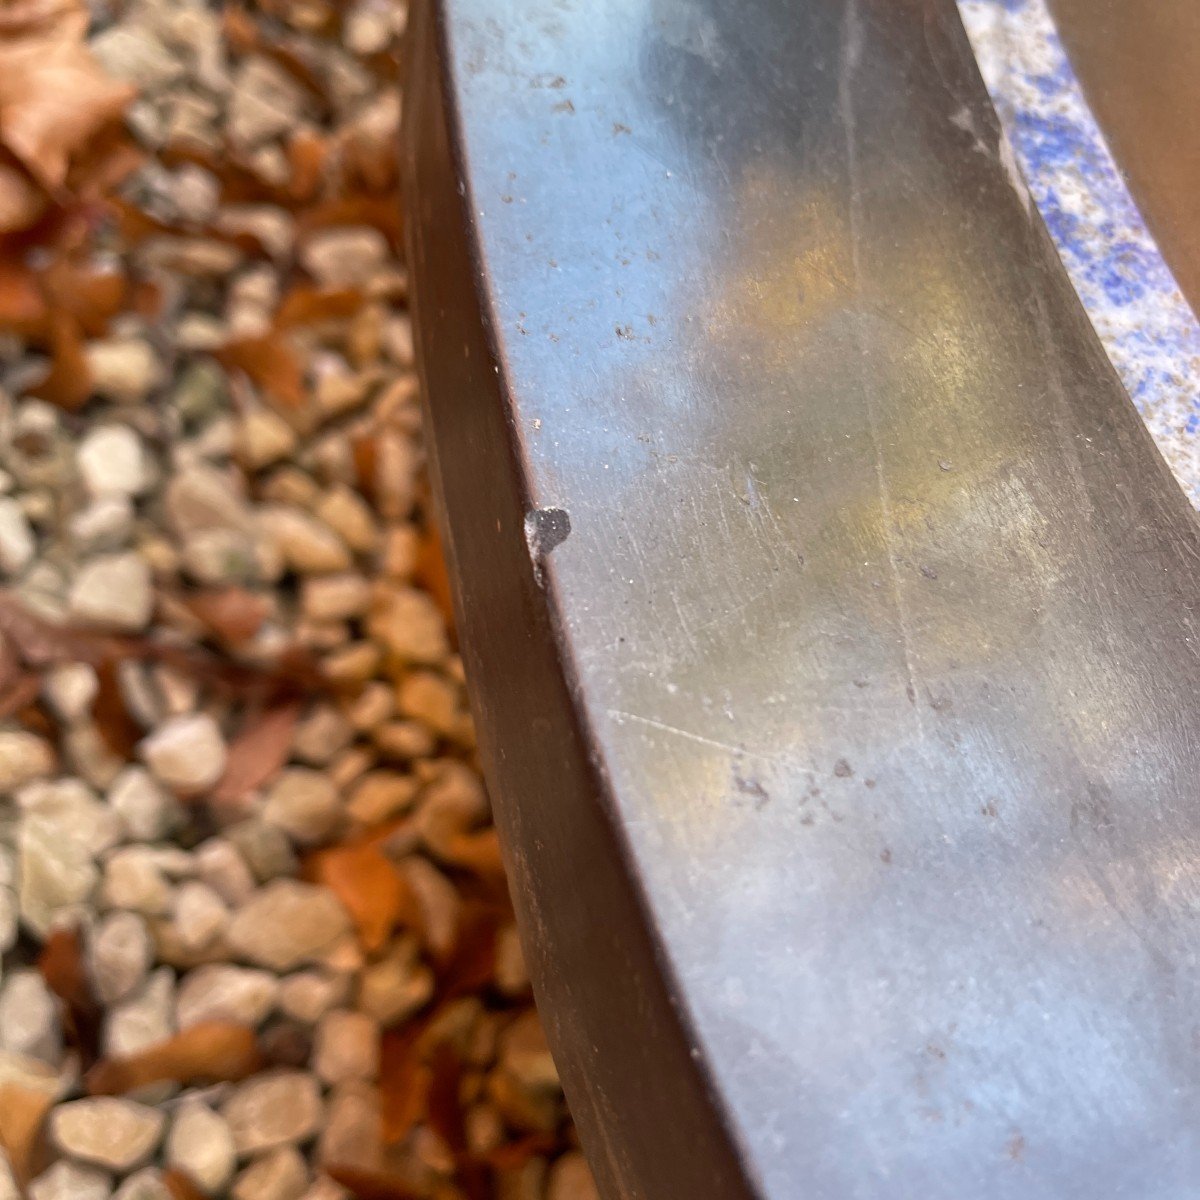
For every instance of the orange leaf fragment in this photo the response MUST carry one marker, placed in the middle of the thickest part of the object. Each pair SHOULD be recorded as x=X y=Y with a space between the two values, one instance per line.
x=233 y=614
x=431 y=573
x=258 y=753
x=370 y=888
x=54 y=97
x=62 y=966
x=268 y=362
x=212 y=1052
x=22 y=1112
x=180 y=1187
x=119 y=730
x=68 y=383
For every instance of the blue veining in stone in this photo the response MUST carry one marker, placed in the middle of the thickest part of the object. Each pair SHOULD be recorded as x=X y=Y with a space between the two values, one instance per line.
x=1150 y=333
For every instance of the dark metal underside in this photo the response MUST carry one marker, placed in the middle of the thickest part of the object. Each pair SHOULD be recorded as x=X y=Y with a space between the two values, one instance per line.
x=845 y=750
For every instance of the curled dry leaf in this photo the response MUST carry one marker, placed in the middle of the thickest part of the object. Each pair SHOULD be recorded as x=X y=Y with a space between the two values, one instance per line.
x=210 y=1052
x=61 y=965
x=68 y=383
x=53 y=98
x=22 y=1113
x=233 y=614
x=270 y=364
x=258 y=753
x=370 y=888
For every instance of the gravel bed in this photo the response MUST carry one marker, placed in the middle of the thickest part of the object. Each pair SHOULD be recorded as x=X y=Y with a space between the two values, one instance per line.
x=256 y=938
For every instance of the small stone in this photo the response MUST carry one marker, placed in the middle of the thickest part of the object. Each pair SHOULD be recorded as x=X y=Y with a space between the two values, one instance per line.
x=381 y=795
x=264 y=847
x=17 y=543
x=264 y=438
x=106 y=1131
x=287 y=924
x=511 y=974
x=306 y=544
x=147 y=1184
x=276 y=1108
x=220 y=992
x=437 y=900
x=112 y=461
x=370 y=27
x=345 y=256
x=351 y=1132
x=571 y=1179
x=120 y=952
x=265 y=102
x=225 y=556
x=321 y=735
x=220 y=865
x=346 y=1046
x=10 y=919
x=335 y=597
x=57 y=871
x=123 y=369
x=345 y=512
x=280 y=1175
x=148 y=811
x=23 y=756
x=195 y=193
x=113 y=590
x=201 y=497
x=70 y=689
x=526 y=1057
x=29 y=1022
x=132 y=53
x=431 y=699
x=104 y=525
x=134 y=879
x=200 y=915
x=143 y=1019
x=187 y=753
x=304 y=804
x=397 y=985
x=307 y=996
x=273 y=228
x=200 y=1146
x=374 y=705
x=70 y=1181
x=409 y=625
x=325 y=1188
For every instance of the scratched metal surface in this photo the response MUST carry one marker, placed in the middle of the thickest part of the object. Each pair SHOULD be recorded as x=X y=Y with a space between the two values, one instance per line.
x=877 y=600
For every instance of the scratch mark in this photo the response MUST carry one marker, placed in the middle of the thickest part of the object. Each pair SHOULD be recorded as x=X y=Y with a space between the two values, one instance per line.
x=852 y=47
x=619 y=715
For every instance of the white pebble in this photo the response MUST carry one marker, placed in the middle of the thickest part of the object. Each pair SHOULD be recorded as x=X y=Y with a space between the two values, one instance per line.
x=346 y=1047
x=17 y=543
x=304 y=804
x=287 y=924
x=113 y=590
x=223 y=992
x=112 y=461
x=120 y=952
x=276 y=1108
x=200 y=1146
x=186 y=753
x=107 y=1131
x=70 y=1181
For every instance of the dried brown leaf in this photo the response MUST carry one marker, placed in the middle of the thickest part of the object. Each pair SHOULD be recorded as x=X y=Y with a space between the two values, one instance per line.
x=69 y=380
x=233 y=614
x=370 y=888
x=180 y=1187
x=22 y=1113
x=258 y=753
x=61 y=965
x=54 y=96
x=119 y=730
x=210 y=1052
x=270 y=363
